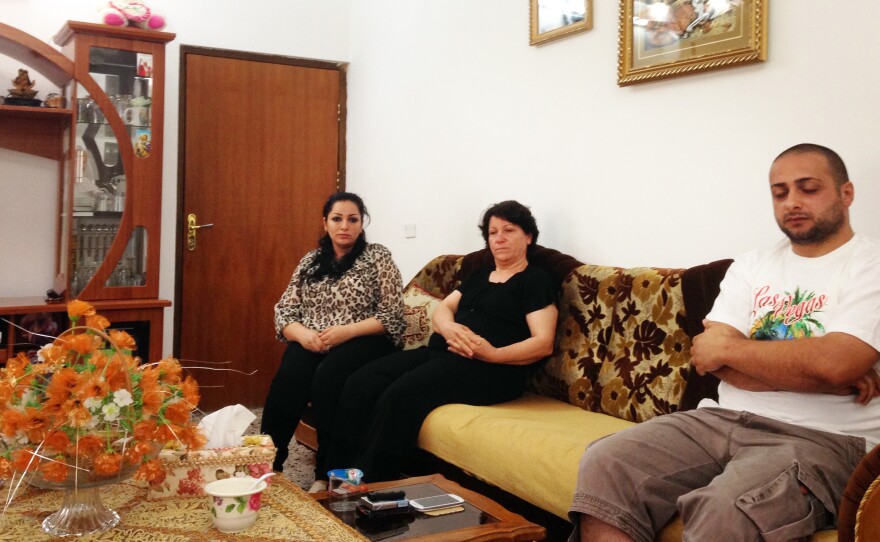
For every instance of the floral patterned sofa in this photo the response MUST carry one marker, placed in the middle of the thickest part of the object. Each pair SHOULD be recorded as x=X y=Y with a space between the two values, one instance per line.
x=622 y=356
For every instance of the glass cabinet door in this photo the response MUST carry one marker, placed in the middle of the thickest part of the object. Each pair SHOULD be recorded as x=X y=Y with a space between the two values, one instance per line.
x=99 y=176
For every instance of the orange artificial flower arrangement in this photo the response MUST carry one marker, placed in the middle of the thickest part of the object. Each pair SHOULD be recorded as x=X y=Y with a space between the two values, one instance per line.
x=89 y=412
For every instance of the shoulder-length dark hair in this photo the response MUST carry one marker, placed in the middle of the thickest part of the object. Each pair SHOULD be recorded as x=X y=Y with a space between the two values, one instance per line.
x=515 y=213
x=325 y=263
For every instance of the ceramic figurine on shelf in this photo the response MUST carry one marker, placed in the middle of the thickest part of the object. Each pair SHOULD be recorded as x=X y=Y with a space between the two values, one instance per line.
x=24 y=87
x=23 y=93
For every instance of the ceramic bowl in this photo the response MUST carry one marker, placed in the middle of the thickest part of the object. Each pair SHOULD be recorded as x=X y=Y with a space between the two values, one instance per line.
x=233 y=505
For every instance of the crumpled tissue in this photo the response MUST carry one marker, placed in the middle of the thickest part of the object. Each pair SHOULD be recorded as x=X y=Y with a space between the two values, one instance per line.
x=225 y=427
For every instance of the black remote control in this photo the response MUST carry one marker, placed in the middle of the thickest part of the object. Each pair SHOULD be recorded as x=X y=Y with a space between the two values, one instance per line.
x=377 y=496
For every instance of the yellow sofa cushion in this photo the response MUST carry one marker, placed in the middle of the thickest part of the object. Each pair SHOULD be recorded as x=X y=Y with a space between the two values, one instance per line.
x=529 y=447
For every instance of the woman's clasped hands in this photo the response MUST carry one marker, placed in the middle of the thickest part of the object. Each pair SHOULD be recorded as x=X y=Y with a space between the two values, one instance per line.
x=311 y=341
x=464 y=342
x=322 y=341
x=334 y=336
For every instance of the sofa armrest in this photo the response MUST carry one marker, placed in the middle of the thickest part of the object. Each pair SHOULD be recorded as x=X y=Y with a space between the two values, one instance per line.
x=858 y=518
x=699 y=288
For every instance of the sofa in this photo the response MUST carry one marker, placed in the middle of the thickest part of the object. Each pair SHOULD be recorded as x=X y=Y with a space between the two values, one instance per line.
x=621 y=357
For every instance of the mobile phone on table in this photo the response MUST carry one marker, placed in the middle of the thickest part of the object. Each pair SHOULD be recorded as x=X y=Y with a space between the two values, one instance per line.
x=437 y=502
x=371 y=504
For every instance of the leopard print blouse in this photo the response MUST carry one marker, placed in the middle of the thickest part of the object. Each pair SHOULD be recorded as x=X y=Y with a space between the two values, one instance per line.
x=372 y=287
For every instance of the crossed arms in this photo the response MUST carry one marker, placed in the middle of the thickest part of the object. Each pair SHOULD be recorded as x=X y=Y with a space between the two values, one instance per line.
x=835 y=363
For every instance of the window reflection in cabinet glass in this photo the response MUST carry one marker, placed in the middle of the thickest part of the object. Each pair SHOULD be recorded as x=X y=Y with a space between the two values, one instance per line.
x=96 y=137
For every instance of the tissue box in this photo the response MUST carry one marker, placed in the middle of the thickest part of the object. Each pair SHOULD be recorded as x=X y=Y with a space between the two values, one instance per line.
x=187 y=471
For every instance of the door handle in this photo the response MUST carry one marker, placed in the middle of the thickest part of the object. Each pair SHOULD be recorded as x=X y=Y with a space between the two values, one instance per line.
x=191 y=226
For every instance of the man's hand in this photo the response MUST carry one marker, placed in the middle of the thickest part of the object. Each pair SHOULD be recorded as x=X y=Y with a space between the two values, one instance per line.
x=865 y=389
x=868 y=386
x=709 y=347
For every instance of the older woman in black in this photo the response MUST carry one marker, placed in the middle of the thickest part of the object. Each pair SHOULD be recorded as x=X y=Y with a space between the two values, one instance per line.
x=342 y=309
x=487 y=335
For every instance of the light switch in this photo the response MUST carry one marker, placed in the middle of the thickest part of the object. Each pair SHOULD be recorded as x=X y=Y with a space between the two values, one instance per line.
x=409 y=231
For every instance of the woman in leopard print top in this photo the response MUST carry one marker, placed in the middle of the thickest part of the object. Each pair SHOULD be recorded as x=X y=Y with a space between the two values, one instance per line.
x=342 y=309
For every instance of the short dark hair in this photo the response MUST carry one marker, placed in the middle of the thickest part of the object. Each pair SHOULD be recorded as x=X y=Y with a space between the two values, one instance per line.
x=835 y=162
x=513 y=212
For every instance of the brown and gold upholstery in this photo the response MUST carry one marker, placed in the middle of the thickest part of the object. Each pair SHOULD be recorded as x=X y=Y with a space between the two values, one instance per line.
x=619 y=350
x=622 y=356
x=623 y=343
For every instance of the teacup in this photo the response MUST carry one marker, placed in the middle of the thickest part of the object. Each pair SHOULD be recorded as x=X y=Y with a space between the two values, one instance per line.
x=137 y=116
x=234 y=505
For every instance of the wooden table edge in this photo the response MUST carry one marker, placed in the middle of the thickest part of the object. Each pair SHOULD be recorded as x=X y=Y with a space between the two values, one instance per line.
x=511 y=525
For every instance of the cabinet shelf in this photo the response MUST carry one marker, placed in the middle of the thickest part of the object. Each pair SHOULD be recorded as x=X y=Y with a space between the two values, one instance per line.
x=34 y=130
x=80 y=123
x=29 y=304
x=21 y=111
x=97 y=214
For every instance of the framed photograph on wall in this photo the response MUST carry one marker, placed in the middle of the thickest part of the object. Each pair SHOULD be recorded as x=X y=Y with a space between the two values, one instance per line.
x=553 y=19
x=667 y=38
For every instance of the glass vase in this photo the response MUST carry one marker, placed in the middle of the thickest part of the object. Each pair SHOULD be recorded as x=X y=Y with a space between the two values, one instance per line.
x=81 y=513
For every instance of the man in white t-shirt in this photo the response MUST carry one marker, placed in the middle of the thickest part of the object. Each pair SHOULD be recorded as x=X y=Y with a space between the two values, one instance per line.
x=794 y=337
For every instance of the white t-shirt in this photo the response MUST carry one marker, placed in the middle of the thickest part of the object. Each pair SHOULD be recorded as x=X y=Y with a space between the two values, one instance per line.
x=776 y=295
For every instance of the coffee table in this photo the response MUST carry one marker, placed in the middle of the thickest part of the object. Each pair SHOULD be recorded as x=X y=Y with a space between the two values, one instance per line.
x=482 y=520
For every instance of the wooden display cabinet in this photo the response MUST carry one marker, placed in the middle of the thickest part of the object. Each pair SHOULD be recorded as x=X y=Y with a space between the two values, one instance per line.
x=113 y=193
x=107 y=142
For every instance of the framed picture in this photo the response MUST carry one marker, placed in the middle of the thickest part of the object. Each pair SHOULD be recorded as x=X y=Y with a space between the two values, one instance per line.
x=553 y=19
x=667 y=38
x=144 y=65
x=143 y=142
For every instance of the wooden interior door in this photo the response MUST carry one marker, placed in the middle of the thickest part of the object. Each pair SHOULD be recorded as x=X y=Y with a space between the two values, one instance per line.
x=261 y=149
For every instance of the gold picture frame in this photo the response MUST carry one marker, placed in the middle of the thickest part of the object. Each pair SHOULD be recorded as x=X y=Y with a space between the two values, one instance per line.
x=554 y=19
x=659 y=39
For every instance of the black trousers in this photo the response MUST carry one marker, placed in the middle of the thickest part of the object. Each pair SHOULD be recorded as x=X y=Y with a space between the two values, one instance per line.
x=305 y=376
x=383 y=405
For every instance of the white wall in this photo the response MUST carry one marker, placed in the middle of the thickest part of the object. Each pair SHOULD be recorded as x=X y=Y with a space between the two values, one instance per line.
x=28 y=221
x=451 y=110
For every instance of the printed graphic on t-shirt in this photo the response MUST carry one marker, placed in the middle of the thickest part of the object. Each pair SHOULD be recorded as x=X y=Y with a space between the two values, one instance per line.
x=786 y=316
